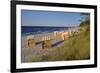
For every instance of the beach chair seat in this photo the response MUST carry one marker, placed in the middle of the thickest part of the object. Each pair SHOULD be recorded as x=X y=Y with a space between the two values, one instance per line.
x=46 y=42
x=31 y=42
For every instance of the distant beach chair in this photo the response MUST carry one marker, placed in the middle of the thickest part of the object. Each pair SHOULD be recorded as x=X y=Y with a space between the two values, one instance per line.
x=46 y=42
x=61 y=35
x=58 y=34
x=65 y=35
x=31 y=41
x=55 y=33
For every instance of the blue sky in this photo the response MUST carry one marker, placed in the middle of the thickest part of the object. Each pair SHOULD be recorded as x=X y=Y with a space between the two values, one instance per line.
x=49 y=18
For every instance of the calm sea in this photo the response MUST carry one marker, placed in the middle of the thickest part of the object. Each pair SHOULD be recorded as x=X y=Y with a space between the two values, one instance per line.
x=27 y=30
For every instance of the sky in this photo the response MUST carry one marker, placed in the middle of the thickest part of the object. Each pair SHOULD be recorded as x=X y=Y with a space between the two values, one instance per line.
x=49 y=18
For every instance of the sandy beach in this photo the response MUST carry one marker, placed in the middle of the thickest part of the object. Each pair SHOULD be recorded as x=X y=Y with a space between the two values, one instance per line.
x=28 y=53
x=60 y=49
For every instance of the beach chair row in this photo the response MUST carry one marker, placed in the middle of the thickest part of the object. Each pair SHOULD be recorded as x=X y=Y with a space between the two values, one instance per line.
x=46 y=40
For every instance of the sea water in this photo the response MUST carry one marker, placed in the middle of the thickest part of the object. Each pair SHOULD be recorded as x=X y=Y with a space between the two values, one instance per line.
x=27 y=30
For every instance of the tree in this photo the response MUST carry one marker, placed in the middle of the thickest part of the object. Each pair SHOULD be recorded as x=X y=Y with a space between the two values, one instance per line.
x=85 y=19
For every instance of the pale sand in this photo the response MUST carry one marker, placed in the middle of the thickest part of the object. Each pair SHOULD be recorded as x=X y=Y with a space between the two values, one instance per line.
x=28 y=53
